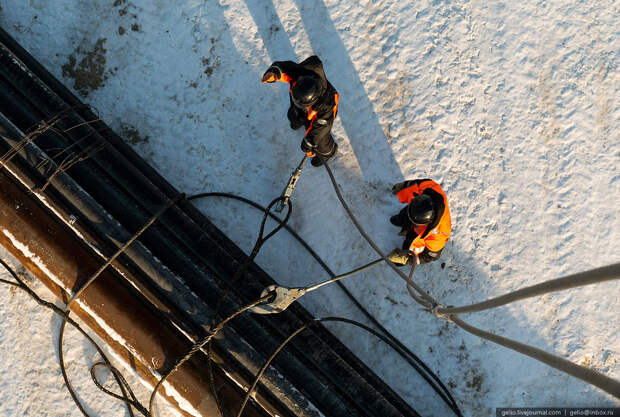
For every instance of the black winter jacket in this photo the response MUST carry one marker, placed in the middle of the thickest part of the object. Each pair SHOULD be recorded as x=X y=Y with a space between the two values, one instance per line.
x=319 y=119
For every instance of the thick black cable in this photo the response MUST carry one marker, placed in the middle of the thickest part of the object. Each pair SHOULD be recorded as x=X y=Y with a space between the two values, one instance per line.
x=590 y=376
x=304 y=327
x=126 y=391
x=594 y=276
x=423 y=370
x=424 y=299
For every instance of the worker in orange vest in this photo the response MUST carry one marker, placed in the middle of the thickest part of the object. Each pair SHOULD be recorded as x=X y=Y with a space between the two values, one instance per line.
x=425 y=222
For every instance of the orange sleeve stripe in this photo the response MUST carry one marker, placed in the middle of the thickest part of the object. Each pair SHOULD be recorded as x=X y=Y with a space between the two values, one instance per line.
x=309 y=128
x=311 y=114
x=285 y=78
x=336 y=98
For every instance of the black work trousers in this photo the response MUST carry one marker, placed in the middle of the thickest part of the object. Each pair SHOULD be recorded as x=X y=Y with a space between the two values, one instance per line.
x=318 y=132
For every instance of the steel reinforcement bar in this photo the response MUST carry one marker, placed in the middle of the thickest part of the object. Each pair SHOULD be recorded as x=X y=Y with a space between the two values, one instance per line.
x=326 y=374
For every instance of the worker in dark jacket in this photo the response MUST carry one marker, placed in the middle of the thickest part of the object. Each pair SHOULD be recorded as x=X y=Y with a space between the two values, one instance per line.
x=425 y=222
x=314 y=103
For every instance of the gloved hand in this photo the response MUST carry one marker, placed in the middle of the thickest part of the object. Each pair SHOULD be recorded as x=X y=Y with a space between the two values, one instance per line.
x=271 y=75
x=398 y=187
x=399 y=257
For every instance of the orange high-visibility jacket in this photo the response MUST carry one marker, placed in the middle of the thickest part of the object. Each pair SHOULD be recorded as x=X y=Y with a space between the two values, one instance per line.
x=432 y=236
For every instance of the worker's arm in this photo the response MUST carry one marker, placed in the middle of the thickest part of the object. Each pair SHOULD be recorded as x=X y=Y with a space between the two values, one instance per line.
x=283 y=71
x=406 y=190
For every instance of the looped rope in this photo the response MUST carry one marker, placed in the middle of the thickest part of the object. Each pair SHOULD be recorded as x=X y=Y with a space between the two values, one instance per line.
x=134 y=401
x=126 y=391
x=83 y=288
x=260 y=241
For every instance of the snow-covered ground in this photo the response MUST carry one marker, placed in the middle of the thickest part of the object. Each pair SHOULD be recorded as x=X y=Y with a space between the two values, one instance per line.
x=512 y=106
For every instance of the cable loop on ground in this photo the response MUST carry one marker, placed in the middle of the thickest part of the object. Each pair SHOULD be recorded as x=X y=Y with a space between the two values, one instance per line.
x=126 y=391
x=419 y=366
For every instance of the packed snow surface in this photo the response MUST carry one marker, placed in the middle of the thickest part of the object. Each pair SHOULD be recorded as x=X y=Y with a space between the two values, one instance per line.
x=512 y=106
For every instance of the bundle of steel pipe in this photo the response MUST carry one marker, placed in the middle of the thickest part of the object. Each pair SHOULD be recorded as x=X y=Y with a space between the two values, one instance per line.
x=102 y=192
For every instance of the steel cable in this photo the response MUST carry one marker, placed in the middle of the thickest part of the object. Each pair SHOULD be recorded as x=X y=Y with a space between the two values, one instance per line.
x=594 y=276
x=590 y=376
x=423 y=370
x=197 y=346
x=126 y=391
x=304 y=327
x=108 y=262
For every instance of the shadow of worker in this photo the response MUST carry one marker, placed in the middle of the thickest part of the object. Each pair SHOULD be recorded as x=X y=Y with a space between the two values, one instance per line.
x=271 y=30
x=355 y=112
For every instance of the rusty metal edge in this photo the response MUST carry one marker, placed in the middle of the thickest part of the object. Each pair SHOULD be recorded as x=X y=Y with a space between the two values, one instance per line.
x=136 y=335
x=71 y=220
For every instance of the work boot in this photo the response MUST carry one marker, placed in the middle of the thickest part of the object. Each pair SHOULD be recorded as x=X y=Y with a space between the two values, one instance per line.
x=316 y=161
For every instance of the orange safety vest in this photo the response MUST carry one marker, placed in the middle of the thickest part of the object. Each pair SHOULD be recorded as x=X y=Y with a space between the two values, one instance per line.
x=434 y=235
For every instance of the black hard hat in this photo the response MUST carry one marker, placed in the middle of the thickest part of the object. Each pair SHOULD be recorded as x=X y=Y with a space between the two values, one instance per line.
x=421 y=209
x=306 y=91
